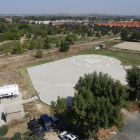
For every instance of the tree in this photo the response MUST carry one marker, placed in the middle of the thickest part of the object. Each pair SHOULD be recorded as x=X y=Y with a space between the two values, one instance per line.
x=57 y=44
x=47 y=44
x=97 y=103
x=124 y=34
x=59 y=106
x=3 y=130
x=32 y=45
x=64 y=46
x=133 y=78
x=39 y=54
x=90 y=33
x=71 y=38
x=17 y=48
x=98 y=35
x=135 y=35
x=38 y=46
x=115 y=31
x=17 y=136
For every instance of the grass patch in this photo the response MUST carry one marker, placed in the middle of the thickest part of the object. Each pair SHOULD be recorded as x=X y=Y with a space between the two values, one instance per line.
x=83 y=39
x=6 y=47
x=125 y=58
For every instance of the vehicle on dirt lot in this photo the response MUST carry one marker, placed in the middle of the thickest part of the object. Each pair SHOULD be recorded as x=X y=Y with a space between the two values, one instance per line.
x=46 y=122
x=68 y=136
x=56 y=121
x=36 y=128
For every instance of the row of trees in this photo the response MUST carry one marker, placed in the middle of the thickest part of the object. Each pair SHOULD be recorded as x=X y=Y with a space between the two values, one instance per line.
x=64 y=45
x=126 y=34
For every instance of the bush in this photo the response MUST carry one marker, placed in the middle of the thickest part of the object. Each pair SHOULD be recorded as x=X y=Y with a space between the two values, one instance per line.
x=17 y=48
x=39 y=54
x=64 y=47
x=3 y=130
x=17 y=136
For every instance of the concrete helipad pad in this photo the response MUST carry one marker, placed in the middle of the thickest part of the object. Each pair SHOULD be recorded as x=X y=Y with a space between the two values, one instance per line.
x=59 y=77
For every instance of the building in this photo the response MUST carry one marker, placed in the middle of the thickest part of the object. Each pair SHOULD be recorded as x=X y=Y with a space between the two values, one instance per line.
x=26 y=21
x=135 y=25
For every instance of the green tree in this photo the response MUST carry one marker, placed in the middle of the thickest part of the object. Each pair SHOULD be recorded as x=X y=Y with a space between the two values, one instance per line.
x=17 y=136
x=97 y=103
x=47 y=44
x=135 y=35
x=32 y=45
x=38 y=46
x=3 y=130
x=64 y=46
x=57 y=44
x=17 y=48
x=124 y=34
x=133 y=78
x=71 y=38
x=39 y=54
x=98 y=35
x=59 y=106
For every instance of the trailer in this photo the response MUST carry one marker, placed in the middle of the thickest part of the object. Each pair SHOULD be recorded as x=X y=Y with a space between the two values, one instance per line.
x=9 y=90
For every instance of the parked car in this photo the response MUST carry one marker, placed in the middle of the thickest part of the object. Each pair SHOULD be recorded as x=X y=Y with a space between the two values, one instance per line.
x=36 y=128
x=68 y=136
x=56 y=121
x=46 y=122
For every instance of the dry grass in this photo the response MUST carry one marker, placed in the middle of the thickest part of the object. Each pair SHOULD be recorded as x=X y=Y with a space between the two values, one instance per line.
x=134 y=106
x=105 y=133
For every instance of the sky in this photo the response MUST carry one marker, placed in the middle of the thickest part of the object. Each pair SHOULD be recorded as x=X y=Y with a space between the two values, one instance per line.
x=119 y=7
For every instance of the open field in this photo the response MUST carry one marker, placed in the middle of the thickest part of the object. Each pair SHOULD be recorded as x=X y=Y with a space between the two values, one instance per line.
x=128 y=46
x=125 y=58
x=6 y=47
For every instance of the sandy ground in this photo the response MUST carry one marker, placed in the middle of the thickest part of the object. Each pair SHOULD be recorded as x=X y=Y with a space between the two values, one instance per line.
x=128 y=45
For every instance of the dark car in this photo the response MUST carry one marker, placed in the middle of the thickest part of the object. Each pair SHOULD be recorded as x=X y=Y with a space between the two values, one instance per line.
x=46 y=122
x=56 y=121
x=36 y=128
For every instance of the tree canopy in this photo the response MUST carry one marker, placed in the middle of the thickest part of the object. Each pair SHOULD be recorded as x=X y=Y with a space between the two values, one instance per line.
x=71 y=38
x=17 y=48
x=64 y=46
x=124 y=34
x=133 y=78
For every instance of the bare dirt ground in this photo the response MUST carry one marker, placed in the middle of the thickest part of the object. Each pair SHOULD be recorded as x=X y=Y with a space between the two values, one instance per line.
x=33 y=109
x=129 y=46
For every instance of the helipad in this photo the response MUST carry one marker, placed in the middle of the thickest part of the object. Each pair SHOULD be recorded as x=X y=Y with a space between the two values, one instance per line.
x=59 y=77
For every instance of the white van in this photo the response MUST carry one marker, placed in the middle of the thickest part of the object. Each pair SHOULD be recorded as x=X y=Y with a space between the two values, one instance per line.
x=9 y=90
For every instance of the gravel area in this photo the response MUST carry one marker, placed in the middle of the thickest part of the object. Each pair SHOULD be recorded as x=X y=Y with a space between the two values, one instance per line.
x=132 y=127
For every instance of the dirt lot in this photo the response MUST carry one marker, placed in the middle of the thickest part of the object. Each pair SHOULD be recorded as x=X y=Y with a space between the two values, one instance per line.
x=129 y=46
x=33 y=109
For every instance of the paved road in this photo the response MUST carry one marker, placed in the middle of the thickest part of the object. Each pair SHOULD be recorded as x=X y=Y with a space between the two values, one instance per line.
x=131 y=129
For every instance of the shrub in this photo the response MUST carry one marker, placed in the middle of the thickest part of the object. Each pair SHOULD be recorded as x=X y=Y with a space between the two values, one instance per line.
x=39 y=54
x=17 y=48
x=3 y=130
x=17 y=136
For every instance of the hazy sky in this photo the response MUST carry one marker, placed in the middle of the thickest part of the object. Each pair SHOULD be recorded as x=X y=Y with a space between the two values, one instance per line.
x=123 y=7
